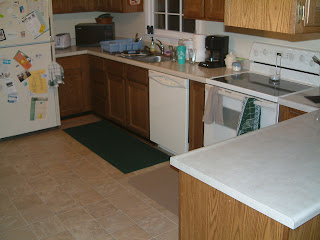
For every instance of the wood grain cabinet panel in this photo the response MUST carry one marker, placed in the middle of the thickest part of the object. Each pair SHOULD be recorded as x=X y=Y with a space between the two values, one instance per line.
x=72 y=6
x=98 y=86
x=137 y=100
x=196 y=111
x=60 y=6
x=208 y=214
x=274 y=15
x=116 y=99
x=73 y=95
x=286 y=113
x=204 y=9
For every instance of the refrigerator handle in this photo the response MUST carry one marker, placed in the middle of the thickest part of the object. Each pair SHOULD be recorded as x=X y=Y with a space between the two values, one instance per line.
x=50 y=39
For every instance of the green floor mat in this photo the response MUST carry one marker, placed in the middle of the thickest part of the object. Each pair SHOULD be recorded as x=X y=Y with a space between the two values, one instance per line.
x=114 y=145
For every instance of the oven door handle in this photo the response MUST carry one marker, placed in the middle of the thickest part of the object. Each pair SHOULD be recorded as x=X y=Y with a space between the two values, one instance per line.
x=241 y=96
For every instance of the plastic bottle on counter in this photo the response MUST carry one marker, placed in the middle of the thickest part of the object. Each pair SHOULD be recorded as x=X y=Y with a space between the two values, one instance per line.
x=152 y=46
x=230 y=58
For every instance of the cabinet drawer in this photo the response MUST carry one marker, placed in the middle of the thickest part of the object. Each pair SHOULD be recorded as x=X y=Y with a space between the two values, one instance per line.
x=115 y=68
x=99 y=90
x=137 y=74
x=70 y=62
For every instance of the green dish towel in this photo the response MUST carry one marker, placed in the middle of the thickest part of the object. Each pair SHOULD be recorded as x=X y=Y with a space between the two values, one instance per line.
x=249 y=119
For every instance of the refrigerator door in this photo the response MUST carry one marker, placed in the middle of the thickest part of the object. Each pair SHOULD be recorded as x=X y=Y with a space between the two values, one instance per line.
x=20 y=115
x=20 y=25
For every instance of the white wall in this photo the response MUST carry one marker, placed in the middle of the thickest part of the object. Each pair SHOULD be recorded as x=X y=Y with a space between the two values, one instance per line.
x=126 y=24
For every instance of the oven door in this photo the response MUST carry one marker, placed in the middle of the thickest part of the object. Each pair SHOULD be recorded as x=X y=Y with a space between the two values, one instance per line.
x=231 y=109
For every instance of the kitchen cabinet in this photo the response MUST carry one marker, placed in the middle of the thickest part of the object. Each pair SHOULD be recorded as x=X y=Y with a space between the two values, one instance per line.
x=286 y=113
x=60 y=6
x=196 y=111
x=283 y=16
x=206 y=213
x=116 y=92
x=204 y=9
x=137 y=100
x=73 y=95
x=98 y=86
x=72 y=6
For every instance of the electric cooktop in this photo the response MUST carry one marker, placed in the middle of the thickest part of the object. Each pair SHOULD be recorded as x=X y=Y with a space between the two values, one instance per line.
x=251 y=83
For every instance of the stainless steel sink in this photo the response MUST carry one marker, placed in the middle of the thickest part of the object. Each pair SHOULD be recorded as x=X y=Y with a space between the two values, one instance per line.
x=147 y=58
x=153 y=59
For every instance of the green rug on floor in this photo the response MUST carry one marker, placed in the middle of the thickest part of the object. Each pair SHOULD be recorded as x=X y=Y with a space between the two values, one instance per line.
x=114 y=145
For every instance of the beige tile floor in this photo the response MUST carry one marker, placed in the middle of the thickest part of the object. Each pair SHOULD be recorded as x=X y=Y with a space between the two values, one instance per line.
x=54 y=188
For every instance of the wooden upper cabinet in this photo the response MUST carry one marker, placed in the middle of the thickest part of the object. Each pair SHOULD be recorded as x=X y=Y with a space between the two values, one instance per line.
x=60 y=6
x=283 y=16
x=193 y=8
x=70 y=6
x=204 y=9
x=312 y=14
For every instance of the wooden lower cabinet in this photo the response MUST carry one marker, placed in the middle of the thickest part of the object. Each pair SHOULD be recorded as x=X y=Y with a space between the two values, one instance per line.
x=73 y=95
x=286 y=113
x=208 y=214
x=98 y=86
x=116 y=99
x=196 y=111
x=137 y=100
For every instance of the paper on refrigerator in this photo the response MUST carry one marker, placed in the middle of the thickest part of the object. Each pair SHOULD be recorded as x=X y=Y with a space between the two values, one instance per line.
x=35 y=23
x=39 y=108
x=38 y=82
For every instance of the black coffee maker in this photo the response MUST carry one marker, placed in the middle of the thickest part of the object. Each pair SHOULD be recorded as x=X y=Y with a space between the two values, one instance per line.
x=218 y=49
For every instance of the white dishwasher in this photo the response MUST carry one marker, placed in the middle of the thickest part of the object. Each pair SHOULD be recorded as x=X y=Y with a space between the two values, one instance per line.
x=169 y=111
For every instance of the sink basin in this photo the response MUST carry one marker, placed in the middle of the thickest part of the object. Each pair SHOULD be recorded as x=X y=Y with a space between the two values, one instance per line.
x=147 y=58
x=153 y=59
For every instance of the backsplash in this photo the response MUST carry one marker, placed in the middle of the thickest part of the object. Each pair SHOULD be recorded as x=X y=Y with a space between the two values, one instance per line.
x=127 y=24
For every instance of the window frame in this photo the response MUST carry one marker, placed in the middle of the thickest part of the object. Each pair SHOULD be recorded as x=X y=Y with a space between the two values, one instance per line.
x=170 y=36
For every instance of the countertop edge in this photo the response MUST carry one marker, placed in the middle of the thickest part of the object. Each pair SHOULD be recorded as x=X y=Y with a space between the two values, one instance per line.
x=275 y=215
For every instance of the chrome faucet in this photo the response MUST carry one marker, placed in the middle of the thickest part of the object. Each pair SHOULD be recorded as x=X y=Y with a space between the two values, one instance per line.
x=161 y=47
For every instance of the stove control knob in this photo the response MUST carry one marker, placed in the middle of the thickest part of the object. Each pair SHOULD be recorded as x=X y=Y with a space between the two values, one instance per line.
x=256 y=53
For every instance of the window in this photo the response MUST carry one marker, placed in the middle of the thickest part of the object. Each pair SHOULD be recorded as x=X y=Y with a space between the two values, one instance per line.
x=167 y=18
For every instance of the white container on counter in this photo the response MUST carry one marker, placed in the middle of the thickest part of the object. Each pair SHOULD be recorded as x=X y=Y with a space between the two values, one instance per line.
x=230 y=58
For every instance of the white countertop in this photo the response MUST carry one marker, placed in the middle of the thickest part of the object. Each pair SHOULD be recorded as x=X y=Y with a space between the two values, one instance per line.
x=189 y=71
x=298 y=100
x=275 y=170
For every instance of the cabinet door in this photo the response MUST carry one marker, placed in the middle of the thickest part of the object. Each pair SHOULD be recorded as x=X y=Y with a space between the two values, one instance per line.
x=214 y=10
x=269 y=15
x=194 y=8
x=71 y=93
x=312 y=18
x=116 y=5
x=60 y=6
x=196 y=110
x=79 y=5
x=103 y=5
x=137 y=100
x=98 y=82
x=116 y=99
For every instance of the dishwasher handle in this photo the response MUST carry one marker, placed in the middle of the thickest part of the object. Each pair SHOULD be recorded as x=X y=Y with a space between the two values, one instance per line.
x=166 y=82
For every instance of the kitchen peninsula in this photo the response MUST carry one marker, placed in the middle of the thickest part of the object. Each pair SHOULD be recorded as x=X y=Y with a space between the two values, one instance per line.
x=261 y=185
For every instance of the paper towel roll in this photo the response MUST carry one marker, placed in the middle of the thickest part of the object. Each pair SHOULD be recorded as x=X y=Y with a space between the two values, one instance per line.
x=199 y=44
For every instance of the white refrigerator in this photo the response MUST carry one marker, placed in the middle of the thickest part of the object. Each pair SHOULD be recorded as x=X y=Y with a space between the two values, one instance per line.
x=27 y=102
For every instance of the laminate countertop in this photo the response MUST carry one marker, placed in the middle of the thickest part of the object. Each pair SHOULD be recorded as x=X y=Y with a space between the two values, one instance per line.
x=189 y=71
x=274 y=170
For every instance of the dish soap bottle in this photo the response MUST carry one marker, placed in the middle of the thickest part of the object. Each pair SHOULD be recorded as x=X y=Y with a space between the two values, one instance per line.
x=152 y=46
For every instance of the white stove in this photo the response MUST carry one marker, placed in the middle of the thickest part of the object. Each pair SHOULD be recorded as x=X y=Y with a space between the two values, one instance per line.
x=297 y=72
x=295 y=69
